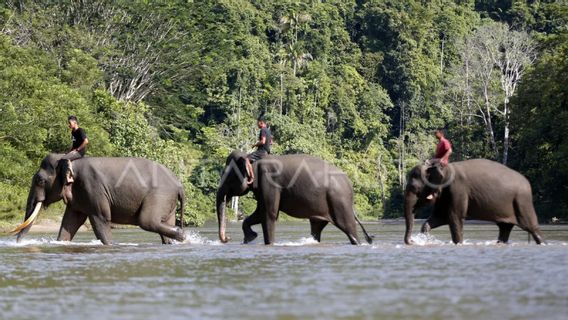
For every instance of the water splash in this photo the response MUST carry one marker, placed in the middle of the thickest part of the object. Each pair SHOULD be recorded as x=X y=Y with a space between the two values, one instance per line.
x=11 y=242
x=423 y=239
x=467 y=242
x=193 y=237
x=46 y=242
x=301 y=242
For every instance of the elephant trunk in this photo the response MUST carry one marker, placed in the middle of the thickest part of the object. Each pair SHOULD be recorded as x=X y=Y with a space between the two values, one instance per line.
x=409 y=204
x=221 y=216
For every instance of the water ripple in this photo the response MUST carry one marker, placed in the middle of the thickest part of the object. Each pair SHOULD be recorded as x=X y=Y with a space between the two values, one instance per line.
x=297 y=278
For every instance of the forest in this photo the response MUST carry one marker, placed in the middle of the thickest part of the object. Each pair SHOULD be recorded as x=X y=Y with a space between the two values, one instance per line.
x=362 y=84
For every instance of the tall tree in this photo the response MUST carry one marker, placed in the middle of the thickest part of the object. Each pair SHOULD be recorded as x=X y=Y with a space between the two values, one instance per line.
x=497 y=57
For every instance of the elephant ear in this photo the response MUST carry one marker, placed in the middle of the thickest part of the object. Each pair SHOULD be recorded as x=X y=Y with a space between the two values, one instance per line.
x=65 y=171
x=66 y=178
x=435 y=174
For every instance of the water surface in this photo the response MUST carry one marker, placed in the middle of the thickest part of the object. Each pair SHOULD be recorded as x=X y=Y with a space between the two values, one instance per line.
x=138 y=278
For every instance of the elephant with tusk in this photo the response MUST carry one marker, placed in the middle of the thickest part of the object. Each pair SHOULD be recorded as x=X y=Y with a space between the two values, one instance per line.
x=106 y=190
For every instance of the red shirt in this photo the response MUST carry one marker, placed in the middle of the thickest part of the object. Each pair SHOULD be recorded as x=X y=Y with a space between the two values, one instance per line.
x=443 y=146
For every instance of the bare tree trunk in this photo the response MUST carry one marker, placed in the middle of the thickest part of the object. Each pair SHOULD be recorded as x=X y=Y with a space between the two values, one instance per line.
x=442 y=56
x=467 y=85
x=295 y=64
x=401 y=134
x=506 y=135
x=281 y=90
x=235 y=207
x=381 y=178
x=239 y=117
x=489 y=124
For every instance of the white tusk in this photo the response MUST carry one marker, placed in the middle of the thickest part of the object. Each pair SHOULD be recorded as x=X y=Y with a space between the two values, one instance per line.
x=28 y=221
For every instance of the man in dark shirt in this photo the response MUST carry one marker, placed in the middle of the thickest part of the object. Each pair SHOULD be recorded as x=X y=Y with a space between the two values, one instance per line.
x=79 y=139
x=264 y=141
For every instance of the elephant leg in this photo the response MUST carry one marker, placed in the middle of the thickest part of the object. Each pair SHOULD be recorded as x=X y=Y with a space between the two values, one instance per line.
x=101 y=227
x=504 y=232
x=426 y=227
x=456 y=210
x=271 y=205
x=433 y=222
x=254 y=218
x=71 y=222
x=150 y=218
x=343 y=217
x=456 y=228
x=317 y=227
x=170 y=221
x=268 y=228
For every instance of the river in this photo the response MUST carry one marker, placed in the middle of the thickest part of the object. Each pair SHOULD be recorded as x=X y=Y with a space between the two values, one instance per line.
x=138 y=278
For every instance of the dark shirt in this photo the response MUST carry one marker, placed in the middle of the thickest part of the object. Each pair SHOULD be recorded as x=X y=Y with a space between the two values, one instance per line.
x=78 y=136
x=265 y=132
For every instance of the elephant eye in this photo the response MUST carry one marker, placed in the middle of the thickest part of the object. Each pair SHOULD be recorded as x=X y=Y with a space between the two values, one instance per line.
x=413 y=188
x=40 y=181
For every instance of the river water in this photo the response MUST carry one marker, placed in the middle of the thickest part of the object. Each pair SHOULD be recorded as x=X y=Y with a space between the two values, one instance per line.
x=138 y=278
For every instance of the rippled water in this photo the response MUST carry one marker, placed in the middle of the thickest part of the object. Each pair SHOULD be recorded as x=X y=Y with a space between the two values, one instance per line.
x=296 y=279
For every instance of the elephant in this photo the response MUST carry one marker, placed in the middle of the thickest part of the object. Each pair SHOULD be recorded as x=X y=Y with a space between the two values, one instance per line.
x=298 y=185
x=477 y=189
x=132 y=191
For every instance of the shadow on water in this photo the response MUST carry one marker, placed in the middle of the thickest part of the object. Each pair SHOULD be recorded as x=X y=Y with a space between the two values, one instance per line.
x=298 y=278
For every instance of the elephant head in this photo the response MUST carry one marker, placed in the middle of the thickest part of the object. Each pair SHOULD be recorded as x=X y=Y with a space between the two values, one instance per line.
x=424 y=186
x=236 y=180
x=51 y=183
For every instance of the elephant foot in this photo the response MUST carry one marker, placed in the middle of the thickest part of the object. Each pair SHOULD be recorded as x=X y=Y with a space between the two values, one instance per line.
x=166 y=240
x=180 y=234
x=250 y=237
x=179 y=237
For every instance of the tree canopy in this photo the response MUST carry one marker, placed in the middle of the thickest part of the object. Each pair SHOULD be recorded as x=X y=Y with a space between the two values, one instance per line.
x=362 y=84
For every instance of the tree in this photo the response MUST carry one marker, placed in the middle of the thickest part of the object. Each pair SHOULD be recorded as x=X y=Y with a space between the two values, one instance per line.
x=497 y=57
x=516 y=51
x=293 y=53
x=540 y=123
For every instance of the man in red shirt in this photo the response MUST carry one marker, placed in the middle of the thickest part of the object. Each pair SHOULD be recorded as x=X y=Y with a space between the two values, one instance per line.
x=442 y=156
x=443 y=150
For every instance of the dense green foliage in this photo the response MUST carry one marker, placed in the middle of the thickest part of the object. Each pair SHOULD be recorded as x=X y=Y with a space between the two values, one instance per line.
x=359 y=83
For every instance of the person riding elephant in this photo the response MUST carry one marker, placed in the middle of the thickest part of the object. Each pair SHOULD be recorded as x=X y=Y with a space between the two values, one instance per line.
x=79 y=140
x=473 y=189
x=106 y=190
x=299 y=185
x=443 y=149
x=441 y=157
x=264 y=141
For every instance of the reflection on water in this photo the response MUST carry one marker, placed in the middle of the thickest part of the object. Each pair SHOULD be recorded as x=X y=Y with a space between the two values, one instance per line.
x=297 y=278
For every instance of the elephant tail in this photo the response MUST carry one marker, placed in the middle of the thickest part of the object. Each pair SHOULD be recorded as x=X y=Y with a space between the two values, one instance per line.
x=367 y=236
x=181 y=198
